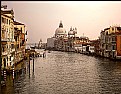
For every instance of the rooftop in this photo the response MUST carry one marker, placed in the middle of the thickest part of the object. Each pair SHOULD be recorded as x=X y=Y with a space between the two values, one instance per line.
x=7 y=11
x=18 y=23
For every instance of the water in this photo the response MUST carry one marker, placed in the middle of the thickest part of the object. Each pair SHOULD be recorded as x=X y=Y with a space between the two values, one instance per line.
x=69 y=73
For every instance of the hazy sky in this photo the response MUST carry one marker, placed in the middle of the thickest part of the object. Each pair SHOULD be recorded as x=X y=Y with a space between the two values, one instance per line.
x=42 y=18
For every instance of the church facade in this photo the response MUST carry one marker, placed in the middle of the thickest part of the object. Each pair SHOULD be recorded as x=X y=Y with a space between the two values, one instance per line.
x=63 y=40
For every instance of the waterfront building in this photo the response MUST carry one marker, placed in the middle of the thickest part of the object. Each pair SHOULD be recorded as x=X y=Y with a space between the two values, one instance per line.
x=110 y=42
x=118 y=43
x=7 y=38
x=51 y=43
x=83 y=41
x=115 y=52
x=93 y=47
x=97 y=47
x=20 y=41
x=17 y=44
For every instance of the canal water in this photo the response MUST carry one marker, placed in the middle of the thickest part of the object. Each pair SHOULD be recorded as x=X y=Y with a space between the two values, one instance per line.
x=67 y=73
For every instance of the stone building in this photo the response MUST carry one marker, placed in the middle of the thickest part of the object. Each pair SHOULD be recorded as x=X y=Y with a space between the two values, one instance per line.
x=20 y=41
x=12 y=36
x=7 y=38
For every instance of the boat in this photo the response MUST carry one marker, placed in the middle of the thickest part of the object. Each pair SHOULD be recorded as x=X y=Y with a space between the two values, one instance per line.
x=32 y=47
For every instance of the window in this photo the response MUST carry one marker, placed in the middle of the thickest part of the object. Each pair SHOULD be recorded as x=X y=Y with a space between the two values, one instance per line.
x=7 y=58
x=12 y=46
x=9 y=22
x=106 y=47
x=113 y=39
x=113 y=47
x=15 y=38
x=112 y=29
x=23 y=42
x=17 y=46
x=3 y=48
x=10 y=58
x=107 y=33
x=21 y=28
x=2 y=20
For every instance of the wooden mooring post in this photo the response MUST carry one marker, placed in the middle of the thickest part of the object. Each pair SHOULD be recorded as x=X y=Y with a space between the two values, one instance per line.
x=29 y=65
x=33 y=64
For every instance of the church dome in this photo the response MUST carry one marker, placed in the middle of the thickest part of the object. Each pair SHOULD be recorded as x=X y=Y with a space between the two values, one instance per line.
x=60 y=30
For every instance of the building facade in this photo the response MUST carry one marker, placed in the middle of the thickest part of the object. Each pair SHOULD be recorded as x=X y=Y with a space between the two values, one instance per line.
x=12 y=37
x=7 y=38
x=51 y=43
x=60 y=35
x=110 y=42
x=20 y=41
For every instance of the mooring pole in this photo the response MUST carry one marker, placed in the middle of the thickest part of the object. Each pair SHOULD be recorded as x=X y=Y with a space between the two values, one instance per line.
x=29 y=67
x=33 y=64
x=13 y=76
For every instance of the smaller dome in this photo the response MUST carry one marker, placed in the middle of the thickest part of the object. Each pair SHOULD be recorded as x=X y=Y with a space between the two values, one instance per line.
x=71 y=32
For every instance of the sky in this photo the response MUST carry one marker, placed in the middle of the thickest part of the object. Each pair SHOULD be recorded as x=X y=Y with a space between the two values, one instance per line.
x=42 y=18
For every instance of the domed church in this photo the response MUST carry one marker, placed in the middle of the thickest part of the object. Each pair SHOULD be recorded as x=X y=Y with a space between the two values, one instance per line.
x=60 y=32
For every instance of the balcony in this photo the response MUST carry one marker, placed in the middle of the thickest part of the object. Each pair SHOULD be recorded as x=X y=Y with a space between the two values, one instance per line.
x=107 y=50
x=4 y=53
x=4 y=39
x=12 y=40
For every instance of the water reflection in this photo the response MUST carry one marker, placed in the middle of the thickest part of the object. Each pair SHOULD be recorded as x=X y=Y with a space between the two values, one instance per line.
x=69 y=73
x=109 y=76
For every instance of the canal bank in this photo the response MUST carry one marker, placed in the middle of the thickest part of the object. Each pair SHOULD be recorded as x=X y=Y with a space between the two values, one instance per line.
x=10 y=76
x=12 y=72
x=13 y=75
x=88 y=53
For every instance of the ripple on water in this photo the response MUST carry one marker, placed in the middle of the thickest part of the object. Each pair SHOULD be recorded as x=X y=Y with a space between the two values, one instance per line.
x=71 y=73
